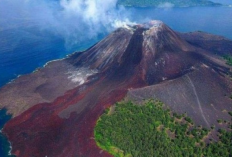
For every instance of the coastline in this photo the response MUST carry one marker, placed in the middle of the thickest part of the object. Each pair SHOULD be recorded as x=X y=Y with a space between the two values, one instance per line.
x=46 y=64
x=173 y=6
x=9 y=153
x=6 y=148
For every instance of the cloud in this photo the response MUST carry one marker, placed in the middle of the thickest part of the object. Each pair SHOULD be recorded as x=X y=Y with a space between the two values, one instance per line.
x=74 y=20
x=166 y=5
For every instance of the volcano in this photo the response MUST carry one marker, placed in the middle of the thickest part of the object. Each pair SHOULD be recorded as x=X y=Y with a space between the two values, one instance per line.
x=56 y=108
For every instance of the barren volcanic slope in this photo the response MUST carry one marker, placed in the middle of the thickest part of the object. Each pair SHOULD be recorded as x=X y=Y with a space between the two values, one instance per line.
x=56 y=108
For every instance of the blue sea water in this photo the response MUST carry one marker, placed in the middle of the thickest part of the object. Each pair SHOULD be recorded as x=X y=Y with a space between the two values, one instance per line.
x=23 y=49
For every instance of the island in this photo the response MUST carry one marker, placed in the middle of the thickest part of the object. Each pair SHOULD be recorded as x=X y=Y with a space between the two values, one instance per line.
x=63 y=109
x=166 y=3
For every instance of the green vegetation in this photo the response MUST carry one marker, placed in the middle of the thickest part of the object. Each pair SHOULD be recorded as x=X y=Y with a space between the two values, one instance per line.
x=230 y=113
x=219 y=121
x=228 y=59
x=151 y=130
x=166 y=3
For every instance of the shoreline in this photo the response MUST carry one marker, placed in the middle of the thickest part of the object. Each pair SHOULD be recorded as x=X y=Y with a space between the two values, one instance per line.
x=9 y=152
x=6 y=150
x=34 y=71
x=43 y=66
x=174 y=6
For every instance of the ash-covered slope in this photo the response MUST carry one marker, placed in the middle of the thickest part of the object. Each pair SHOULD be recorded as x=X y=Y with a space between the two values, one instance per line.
x=56 y=108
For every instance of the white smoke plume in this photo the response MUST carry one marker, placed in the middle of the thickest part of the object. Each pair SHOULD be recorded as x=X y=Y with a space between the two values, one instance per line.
x=75 y=20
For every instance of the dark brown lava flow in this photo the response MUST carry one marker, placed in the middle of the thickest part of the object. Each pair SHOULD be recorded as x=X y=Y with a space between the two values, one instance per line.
x=56 y=108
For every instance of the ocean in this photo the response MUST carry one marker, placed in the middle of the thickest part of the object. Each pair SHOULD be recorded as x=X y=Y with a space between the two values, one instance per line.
x=23 y=49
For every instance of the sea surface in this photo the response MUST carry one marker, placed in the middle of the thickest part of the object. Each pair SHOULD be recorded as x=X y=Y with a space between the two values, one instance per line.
x=24 y=48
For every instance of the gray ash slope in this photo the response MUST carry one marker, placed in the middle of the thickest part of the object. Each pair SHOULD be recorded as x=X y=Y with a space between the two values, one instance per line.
x=182 y=70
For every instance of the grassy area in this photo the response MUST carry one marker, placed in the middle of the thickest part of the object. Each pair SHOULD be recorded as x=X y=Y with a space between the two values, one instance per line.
x=151 y=130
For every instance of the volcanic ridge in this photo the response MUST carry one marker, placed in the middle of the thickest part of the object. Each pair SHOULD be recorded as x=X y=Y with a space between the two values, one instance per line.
x=56 y=108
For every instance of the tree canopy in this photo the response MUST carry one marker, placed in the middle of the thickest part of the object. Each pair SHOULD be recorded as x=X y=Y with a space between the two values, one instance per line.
x=147 y=130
